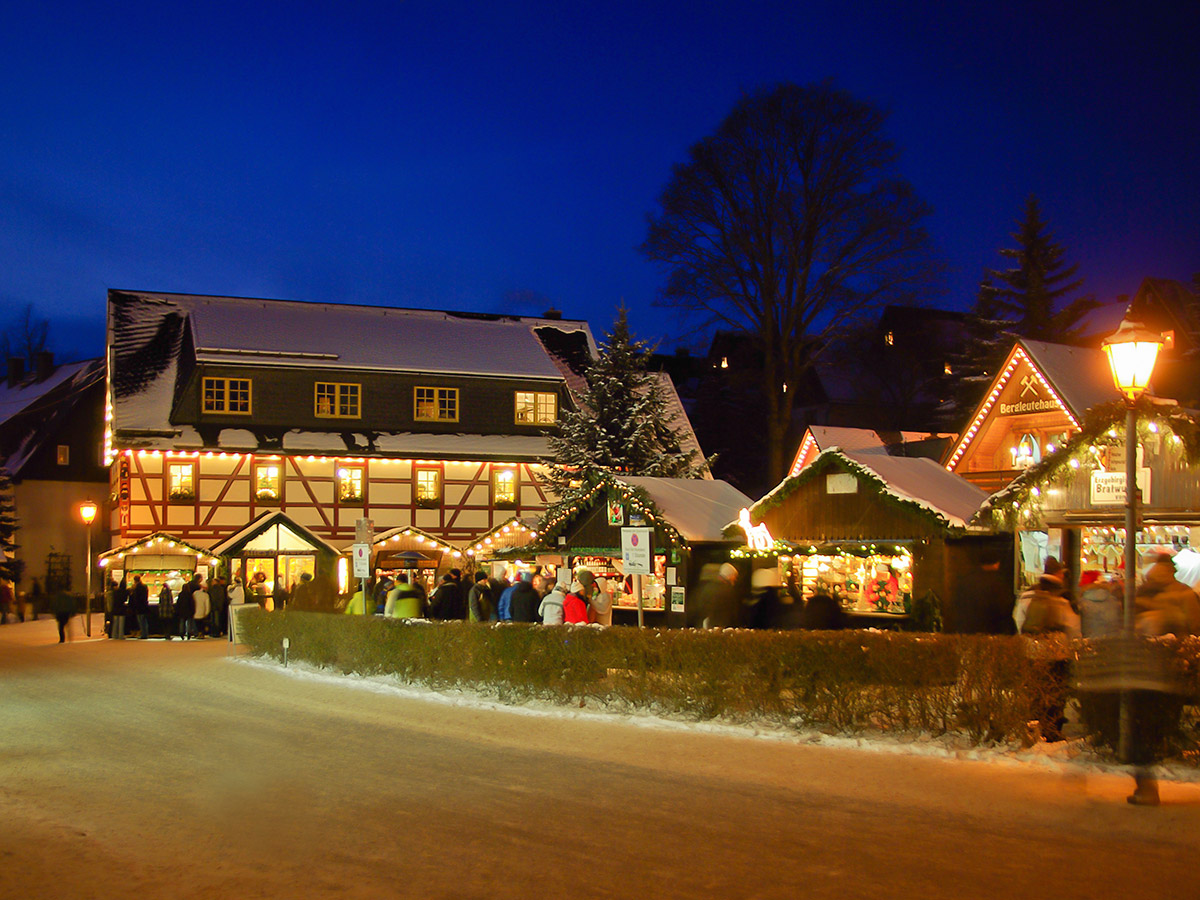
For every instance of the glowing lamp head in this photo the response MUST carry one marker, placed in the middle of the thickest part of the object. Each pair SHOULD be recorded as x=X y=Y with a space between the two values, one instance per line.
x=87 y=511
x=1132 y=351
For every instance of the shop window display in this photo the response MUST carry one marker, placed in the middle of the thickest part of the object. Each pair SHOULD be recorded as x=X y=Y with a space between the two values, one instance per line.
x=875 y=583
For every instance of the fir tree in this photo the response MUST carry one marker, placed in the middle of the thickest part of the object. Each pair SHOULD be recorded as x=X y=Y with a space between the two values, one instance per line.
x=1029 y=300
x=622 y=424
x=10 y=567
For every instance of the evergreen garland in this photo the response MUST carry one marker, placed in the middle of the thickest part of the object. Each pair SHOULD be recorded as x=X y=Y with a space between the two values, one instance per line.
x=622 y=423
x=1104 y=425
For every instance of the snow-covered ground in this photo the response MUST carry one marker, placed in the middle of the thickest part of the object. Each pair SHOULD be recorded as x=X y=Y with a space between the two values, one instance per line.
x=1068 y=756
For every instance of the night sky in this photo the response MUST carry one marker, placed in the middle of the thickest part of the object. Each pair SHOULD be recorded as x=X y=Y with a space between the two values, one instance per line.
x=502 y=157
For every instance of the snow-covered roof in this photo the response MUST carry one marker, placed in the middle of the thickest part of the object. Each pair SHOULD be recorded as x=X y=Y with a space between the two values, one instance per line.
x=914 y=479
x=17 y=398
x=699 y=509
x=381 y=339
x=31 y=410
x=155 y=338
x=679 y=419
x=1079 y=375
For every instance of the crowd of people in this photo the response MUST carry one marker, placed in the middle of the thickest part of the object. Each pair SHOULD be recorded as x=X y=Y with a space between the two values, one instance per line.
x=535 y=596
x=1162 y=603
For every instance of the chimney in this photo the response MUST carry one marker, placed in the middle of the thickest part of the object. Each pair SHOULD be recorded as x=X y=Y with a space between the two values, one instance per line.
x=45 y=365
x=16 y=370
x=552 y=313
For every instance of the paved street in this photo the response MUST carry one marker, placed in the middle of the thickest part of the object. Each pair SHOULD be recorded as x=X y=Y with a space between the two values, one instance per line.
x=156 y=769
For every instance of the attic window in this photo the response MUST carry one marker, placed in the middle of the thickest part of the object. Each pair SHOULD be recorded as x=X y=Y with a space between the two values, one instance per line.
x=536 y=408
x=436 y=404
x=227 y=395
x=64 y=454
x=890 y=338
x=337 y=401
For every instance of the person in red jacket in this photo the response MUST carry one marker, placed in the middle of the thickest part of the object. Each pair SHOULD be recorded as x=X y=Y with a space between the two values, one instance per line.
x=575 y=605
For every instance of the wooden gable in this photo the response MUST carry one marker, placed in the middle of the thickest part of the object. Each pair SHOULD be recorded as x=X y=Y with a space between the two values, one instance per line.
x=1021 y=418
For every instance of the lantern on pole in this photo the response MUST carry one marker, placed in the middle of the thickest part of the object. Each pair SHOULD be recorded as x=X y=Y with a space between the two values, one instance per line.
x=1132 y=351
x=87 y=512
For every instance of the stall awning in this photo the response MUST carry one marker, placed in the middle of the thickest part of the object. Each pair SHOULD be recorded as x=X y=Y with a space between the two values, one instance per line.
x=160 y=543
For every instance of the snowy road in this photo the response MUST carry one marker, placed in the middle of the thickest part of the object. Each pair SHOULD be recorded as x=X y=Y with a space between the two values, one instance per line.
x=150 y=770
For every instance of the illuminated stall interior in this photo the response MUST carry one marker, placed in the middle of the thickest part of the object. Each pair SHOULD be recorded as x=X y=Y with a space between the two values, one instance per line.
x=416 y=554
x=686 y=518
x=274 y=546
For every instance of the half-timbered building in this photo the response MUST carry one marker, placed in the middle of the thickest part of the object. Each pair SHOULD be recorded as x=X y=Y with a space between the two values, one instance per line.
x=223 y=409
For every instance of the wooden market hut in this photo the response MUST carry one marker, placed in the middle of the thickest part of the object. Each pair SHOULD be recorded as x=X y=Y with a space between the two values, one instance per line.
x=687 y=516
x=850 y=514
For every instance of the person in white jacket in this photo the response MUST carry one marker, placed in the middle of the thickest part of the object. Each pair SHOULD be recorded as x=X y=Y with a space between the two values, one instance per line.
x=203 y=608
x=551 y=609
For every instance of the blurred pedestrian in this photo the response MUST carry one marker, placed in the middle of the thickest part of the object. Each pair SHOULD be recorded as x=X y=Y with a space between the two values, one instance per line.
x=139 y=606
x=120 y=608
x=203 y=601
x=553 y=605
x=63 y=607
x=166 y=611
x=480 y=605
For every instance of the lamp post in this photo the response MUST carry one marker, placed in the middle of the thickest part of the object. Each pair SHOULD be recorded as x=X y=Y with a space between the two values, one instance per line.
x=1132 y=351
x=87 y=512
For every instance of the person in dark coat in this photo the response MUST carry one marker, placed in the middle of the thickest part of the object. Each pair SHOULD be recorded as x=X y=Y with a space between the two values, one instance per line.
x=120 y=608
x=185 y=607
x=447 y=601
x=716 y=598
x=524 y=601
x=166 y=611
x=139 y=605
x=218 y=600
x=479 y=601
x=63 y=607
x=822 y=613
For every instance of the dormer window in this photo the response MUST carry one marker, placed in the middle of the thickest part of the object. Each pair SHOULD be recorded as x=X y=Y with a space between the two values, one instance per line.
x=337 y=401
x=227 y=395
x=535 y=408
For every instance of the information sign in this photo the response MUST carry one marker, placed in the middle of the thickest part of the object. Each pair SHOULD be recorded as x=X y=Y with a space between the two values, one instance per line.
x=637 y=550
x=362 y=560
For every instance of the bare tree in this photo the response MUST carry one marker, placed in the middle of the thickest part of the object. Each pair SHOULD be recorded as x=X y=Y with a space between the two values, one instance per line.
x=789 y=224
x=26 y=337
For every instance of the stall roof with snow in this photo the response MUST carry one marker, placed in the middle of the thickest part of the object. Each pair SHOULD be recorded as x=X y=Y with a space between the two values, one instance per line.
x=847 y=495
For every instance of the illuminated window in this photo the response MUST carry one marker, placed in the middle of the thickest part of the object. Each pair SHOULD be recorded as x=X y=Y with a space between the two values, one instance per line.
x=227 y=395
x=181 y=481
x=890 y=338
x=436 y=404
x=350 y=484
x=946 y=369
x=337 y=401
x=266 y=481
x=504 y=487
x=429 y=487
x=64 y=454
x=534 y=408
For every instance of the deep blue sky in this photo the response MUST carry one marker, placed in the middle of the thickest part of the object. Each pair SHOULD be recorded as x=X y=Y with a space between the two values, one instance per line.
x=502 y=156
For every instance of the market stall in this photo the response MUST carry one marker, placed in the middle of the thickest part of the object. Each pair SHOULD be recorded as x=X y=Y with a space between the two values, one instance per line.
x=1073 y=501
x=878 y=533
x=159 y=558
x=647 y=537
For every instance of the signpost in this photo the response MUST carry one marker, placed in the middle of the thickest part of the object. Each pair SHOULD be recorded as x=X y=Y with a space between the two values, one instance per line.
x=364 y=537
x=637 y=555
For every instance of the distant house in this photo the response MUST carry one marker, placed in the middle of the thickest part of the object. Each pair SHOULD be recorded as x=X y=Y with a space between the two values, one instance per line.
x=51 y=426
x=267 y=428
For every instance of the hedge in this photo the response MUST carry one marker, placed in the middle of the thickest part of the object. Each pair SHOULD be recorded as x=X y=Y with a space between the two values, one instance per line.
x=986 y=689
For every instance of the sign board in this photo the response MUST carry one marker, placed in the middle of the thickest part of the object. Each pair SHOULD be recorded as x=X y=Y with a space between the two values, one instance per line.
x=677 y=599
x=364 y=531
x=841 y=483
x=637 y=550
x=361 y=554
x=1108 y=488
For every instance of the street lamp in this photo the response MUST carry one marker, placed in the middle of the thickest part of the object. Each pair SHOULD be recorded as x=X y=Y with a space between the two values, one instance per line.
x=87 y=512
x=1132 y=351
